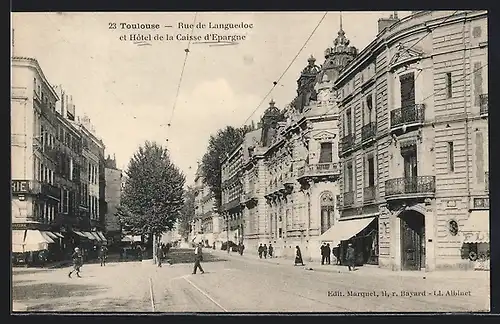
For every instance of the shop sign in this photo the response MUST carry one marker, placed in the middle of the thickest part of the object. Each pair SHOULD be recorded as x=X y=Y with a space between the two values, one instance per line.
x=20 y=186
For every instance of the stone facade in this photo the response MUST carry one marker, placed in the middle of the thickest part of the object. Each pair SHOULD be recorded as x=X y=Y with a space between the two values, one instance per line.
x=206 y=225
x=413 y=118
x=113 y=191
x=48 y=177
x=280 y=185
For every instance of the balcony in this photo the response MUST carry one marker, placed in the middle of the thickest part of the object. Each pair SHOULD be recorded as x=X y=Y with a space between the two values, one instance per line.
x=415 y=187
x=369 y=193
x=407 y=116
x=50 y=191
x=347 y=142
x=368 y=132
x=483 y=104
x=348 y=198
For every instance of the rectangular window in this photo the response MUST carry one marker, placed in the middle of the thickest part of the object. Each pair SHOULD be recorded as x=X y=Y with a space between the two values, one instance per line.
x=65 y=199
x=371 y=171
x=348 y=126
x=407 y=90
x=349 y=178
x=478 y=83
x=369 y=108
x=451 y=157
x=449 y=88
x=480 y=175
x=326 y=153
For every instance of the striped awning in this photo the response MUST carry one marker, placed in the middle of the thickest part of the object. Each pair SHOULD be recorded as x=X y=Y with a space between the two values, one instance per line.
x=477 y=227
x=80 y=234
x=101 y=236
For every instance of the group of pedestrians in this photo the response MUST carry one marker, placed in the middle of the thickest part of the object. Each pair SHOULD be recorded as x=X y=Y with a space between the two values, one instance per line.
x=350 y=256
x=162 y=251
x=264 y=251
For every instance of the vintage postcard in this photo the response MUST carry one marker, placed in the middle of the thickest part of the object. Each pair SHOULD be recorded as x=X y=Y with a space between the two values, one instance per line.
x=250 y=162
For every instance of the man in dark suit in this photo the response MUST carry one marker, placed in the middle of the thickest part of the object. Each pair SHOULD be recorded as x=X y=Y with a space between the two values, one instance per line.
x=198 y=257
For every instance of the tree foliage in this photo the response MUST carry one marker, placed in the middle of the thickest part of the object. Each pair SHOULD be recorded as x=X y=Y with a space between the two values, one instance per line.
x=187 y=213
x=153 y=194
x=220 y=146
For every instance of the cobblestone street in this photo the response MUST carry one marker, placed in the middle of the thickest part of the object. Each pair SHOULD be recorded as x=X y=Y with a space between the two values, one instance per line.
x=234 y=283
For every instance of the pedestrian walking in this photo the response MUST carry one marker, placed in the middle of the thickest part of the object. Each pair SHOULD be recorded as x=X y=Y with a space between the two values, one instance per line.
x=336 y=251
x=242 y=248
x=159 y=256
x=265 y=251
x=271 y=251
x=260 y=250
x=198 y=257
x=323 y=253
x=350 y=257
x=77 y=258
x=103 y=255
x=298 y=256
x=328 y=253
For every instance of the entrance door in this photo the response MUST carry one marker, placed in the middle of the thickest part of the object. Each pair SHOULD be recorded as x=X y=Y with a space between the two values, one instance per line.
x=412 y=241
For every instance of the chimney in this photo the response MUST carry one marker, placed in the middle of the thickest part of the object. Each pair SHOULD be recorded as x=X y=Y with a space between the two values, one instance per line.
x=383 y=23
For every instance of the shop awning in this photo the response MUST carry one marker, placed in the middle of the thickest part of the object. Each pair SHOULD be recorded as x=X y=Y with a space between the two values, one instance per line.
x=36 y=240
x=18 y=240
x=101 y=236
x=52 y=235
x=477 y=227
x=80 y=234
x=58 y=234
x=344 y=230
x=130 y=238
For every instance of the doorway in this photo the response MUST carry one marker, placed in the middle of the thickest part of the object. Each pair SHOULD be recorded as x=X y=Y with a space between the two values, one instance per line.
x=412 y=240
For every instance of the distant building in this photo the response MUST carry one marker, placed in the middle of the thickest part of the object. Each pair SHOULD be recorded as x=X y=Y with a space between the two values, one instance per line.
x=205 y=226
x=113 y=178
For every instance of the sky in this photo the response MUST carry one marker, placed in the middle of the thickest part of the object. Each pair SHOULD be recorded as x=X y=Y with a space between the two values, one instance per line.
x=129 y=91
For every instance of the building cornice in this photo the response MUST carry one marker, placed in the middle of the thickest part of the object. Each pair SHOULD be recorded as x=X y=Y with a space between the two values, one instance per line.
x=33 y=63
x=394 y=33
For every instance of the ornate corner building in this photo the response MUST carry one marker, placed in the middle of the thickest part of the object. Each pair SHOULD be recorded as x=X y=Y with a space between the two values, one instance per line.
x=413 y=121
x=280 y=185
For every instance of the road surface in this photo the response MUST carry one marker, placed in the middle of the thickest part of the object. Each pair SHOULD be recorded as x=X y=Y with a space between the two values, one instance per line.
x=245 y=284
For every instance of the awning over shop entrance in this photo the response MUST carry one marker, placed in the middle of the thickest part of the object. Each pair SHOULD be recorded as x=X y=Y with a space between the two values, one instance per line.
x=477 y=228
x=81 y=234
x=18 y=240
x=101 y=236
x=132 y=238
x=31 y=240
x=344 y=230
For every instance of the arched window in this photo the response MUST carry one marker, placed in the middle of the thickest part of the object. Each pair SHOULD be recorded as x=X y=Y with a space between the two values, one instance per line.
x=327 y=207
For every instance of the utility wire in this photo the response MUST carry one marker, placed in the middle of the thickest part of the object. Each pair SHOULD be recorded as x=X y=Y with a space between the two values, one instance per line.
x=429 y=31
x=427 y=34
x=182 y=72
x=275 y=83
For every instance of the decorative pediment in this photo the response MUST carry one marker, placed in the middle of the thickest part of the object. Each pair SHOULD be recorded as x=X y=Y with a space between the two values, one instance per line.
x=324 y=134
x=405 y=54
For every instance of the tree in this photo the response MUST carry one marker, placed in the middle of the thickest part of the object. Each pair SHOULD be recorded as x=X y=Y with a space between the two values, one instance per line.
x=187 y=213
x=220 y=146
x=153 y=194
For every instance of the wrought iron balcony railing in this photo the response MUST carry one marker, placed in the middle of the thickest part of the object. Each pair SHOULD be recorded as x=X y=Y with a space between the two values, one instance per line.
x=369 y=193
x=348 y=198
x=347 y=142
x=413 y=185
x=368 y=131
x=413 y=114
x=483 y=104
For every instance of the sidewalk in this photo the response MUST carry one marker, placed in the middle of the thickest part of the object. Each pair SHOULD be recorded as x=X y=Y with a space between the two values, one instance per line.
x=372 y=270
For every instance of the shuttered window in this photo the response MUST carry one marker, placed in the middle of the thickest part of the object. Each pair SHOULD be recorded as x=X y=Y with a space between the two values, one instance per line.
x=479 y=158
x=478 y=83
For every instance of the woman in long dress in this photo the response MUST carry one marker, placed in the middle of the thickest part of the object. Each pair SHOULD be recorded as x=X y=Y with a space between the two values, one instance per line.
x=298 y=256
